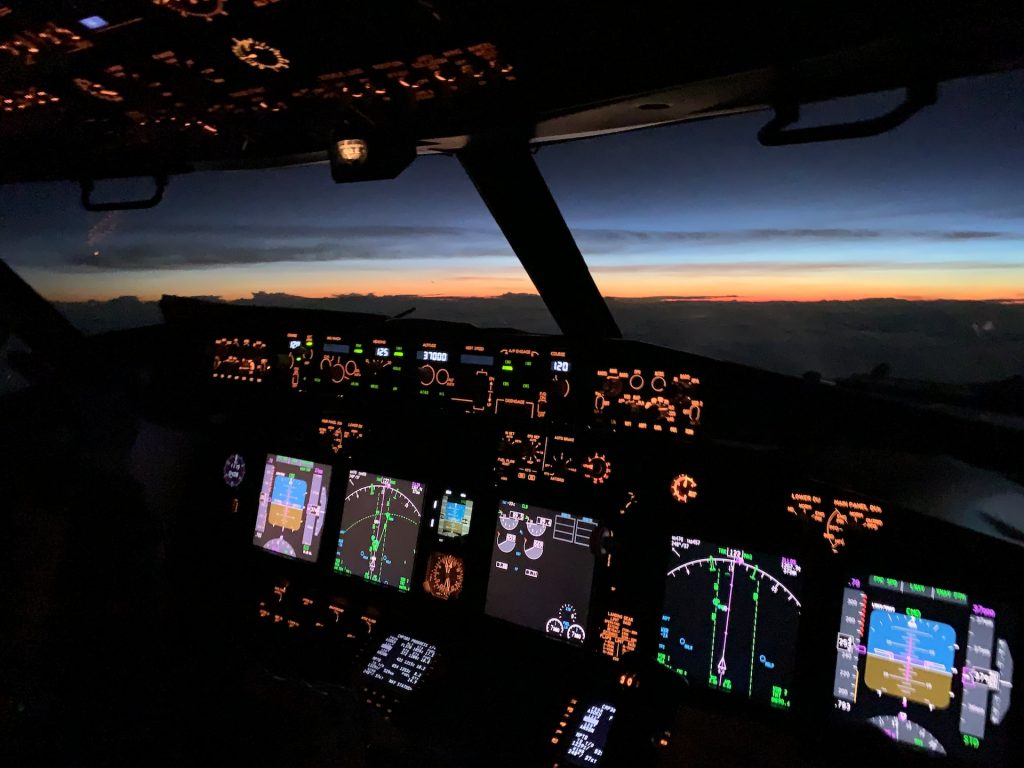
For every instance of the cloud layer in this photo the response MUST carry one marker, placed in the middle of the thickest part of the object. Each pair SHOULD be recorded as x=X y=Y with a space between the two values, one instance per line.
x=193 y=245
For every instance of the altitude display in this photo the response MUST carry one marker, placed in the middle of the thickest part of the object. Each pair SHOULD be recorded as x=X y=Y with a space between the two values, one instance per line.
x=924 y=665
x=401 y=662
x=292 y=504
x=455 y=515
x=543 y=570
x=379 y=527
x=730 y=618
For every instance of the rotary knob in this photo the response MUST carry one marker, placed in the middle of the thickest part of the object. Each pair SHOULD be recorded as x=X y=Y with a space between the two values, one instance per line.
x=597 y=468
x=684 y=489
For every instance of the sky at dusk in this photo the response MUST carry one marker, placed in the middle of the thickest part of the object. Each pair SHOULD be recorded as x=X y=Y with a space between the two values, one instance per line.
x=932 y=210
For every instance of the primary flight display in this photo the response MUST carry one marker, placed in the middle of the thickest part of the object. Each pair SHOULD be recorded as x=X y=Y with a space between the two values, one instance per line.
x=293 y=498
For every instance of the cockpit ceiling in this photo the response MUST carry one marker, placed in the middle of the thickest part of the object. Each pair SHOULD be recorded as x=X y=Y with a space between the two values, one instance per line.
x=99 y=88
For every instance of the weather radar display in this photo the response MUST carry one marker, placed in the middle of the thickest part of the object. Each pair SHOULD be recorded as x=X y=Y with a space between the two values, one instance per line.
x=729 y=619
x=542 y=570
x=379 y=527
x=293 y=500
x=924 y=665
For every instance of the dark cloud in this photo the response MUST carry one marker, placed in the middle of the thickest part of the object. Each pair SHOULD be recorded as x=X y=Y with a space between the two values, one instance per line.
x=115 y=314
x=199 y=245
x=341 y=231
x=154 y=257
x=972 y=235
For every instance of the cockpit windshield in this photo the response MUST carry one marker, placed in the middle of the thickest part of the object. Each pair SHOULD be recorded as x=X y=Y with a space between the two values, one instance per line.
x=902 y=251
x=894 y=257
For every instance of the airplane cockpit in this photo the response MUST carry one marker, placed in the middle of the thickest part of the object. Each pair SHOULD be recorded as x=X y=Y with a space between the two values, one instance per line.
x=298 y=536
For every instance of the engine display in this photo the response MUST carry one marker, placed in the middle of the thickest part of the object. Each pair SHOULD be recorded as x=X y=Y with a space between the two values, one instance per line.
x=923 y=664
x=542 y=571
x=293 y=500
x=730 y=618
x=401 y=662
x=379 y=527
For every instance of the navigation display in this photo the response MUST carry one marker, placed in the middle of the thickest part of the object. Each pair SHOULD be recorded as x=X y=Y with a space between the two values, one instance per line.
x=923 y=664
x=379 y=527
x=401 y=662
x=455 y=515
x=729 y=619
x=542 y=570
x=292 y=504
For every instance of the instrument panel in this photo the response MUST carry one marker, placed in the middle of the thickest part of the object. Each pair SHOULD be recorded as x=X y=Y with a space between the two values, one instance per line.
x=517 y=378
x=515 y=497
x=648 y=399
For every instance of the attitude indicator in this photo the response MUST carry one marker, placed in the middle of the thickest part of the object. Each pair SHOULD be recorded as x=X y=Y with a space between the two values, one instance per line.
x=924 y=665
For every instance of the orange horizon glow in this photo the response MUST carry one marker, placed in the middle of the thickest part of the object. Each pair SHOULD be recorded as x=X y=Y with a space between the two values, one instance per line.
x=324 y=281
x=993 y=295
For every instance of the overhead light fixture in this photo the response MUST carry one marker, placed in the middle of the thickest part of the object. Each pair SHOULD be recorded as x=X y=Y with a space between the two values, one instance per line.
x=93 y=22
x=258 y=54
x=352 y=151
x=358 y=153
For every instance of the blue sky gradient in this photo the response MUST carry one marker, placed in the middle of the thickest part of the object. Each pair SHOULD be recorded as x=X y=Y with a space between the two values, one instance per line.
x=931 y=210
